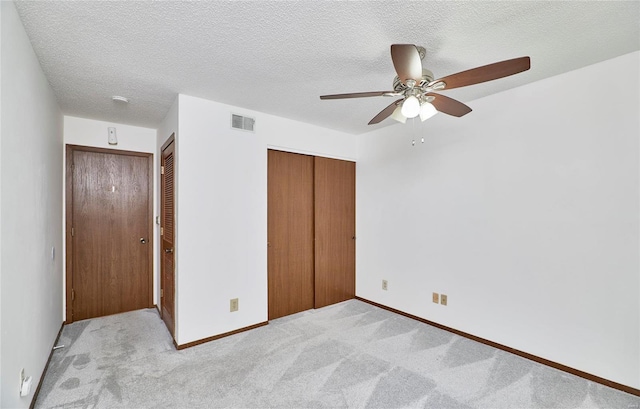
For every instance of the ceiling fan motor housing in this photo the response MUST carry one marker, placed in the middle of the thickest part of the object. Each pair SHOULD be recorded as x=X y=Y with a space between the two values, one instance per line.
x=427 y=77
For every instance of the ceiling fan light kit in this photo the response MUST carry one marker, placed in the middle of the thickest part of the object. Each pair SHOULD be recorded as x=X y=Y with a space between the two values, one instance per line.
x=397 y=115
x=411 y=107
x=427 y=111
x=416 y=85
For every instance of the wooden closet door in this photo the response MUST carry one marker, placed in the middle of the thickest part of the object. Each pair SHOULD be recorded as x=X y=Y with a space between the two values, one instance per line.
x=290 y=233
x=335 y=230
x=167 y=259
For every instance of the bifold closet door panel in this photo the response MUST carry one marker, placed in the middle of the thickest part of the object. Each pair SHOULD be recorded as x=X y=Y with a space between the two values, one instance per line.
x=335 y=229
x=290 y=233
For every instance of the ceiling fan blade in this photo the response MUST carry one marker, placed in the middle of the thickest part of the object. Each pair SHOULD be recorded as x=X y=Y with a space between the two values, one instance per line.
x=356 y=95
x=448 y=105
x=407 y=62
x=385 y=113
x=485 y=73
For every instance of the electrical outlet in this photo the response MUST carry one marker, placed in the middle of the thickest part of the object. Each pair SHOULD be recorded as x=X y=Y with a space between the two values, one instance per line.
x=233 y=305
x=385 y=285
x=443 y=299
x=436 y=298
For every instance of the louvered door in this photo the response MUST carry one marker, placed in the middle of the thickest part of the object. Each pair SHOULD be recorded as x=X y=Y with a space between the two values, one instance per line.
x=167 y=284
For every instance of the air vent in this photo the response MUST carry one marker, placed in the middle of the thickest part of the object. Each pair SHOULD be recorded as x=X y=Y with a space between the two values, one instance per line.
x=243 y=122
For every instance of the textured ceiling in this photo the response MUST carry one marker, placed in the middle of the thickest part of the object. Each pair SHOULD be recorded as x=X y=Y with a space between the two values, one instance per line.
x=279 y=57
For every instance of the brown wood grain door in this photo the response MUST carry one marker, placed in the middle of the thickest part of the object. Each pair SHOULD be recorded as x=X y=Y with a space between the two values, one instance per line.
x=110 y=218
x=167 y=205
x=290 y=233
x=335 y=230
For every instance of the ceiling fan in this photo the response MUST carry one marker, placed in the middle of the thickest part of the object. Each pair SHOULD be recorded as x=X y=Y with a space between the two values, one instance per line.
x=416 y=85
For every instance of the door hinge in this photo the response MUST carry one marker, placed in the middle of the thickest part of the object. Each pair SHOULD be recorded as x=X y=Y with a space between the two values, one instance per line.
x=73 y=232
x=161 y=293
x=162 y=170
x=73 y=294
x=162 y=231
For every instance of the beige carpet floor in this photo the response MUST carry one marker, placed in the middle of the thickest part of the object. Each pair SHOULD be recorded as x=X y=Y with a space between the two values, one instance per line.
x=349 y=355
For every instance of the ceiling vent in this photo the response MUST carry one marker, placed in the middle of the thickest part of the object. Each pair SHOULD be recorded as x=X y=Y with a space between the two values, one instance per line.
x=243 y=122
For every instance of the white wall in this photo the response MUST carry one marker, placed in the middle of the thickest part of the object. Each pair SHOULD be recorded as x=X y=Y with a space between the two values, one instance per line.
x=169 y=124
x=0 y=204
x=221 y=250
x=524 y=212
x=31 y=212
x=89 y=132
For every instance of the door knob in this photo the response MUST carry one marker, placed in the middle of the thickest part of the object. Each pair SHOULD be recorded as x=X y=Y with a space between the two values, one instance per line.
x=142 y=240
x=168 y=250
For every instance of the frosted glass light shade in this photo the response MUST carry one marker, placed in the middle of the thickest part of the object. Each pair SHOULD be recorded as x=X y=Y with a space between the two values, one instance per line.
x=427 y=111
x=411 y=107
x=397 y=115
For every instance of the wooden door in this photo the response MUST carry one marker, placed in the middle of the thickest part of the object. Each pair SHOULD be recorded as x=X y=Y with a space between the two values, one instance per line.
x=335 y=230
x=290 y=233
x=109 y=223
x=167 y=231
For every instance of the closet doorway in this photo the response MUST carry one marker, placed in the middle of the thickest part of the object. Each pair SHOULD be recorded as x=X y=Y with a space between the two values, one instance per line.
x=311 y=232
